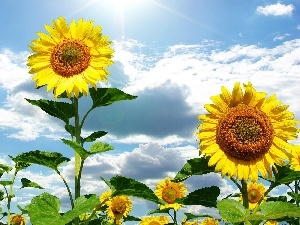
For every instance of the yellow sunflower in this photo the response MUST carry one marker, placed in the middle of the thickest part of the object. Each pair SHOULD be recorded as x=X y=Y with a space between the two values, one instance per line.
x=118 y=207
x=70 y=58
x=255 y=192
x=246 y=133
x=18 y=219
x=209 y=221
x=169 y=191
x=154 y=220
x=295 y=158
x=271 y=222
x=195 y=222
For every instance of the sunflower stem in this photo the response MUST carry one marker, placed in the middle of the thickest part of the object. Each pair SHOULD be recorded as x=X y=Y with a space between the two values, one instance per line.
x=9 y=196
x=245 y=194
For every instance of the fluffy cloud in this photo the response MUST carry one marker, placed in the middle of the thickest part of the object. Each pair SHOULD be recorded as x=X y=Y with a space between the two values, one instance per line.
x=276 y=9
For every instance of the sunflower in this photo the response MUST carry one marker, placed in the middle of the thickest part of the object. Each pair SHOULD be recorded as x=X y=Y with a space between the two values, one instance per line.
x=295 y=158
x=246 y=133
x=154 y=220
x=118 y=207
x=255 y=192
x=209 y=221
x=195 y=222
x=169 y=191
x=70 y=58
x=271 y=222
x=18 y=219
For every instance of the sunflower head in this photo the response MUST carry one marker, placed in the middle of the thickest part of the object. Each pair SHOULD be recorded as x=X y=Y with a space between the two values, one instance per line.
x=18 y=219
x=271 y=222
x=118 y=207
x=245 y=133
x=209 y=221
x=295 y=158
x=170 y=191
x=255 y=193
x=154 y=220
x=69 y=58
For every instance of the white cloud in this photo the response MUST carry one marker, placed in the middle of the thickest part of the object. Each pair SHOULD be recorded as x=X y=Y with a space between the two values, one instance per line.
x=281 y=37
x=276 y=9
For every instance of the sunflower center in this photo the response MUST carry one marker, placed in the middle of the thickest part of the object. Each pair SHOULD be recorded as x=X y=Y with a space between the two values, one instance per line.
x=169 y=195
x=119 y=208
x=245 y=133
x=70 y=57
x=253 y=196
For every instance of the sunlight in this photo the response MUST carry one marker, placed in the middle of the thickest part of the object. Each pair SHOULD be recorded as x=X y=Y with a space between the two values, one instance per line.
x=122 y=4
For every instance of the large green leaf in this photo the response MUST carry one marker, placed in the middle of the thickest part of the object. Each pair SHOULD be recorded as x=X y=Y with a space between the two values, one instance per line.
x=285 y=175
x=196 y=166
x=28 y=183
x=61 y=110
x=99 y=147
x=232 y=210
x=94 y=136
x=206 y=196
x=44 y=209
x=107 y=96
x=77 y=147
x=131 y=187
x=19 y=165
x=276 y=210
x=48 y=159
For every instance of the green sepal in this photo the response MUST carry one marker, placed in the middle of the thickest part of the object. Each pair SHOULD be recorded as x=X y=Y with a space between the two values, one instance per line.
x=205 y=196
x=94 y=136
x=107 y=96
x=49 y=159
x=60 y=110
x=196 y=166
x=131 y=187
x=99 y=147
x=28 y=183
x=77 y=148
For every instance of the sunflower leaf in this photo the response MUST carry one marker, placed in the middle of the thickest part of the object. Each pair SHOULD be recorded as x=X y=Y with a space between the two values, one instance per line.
x=60 y=110
x=77 y=148
x=99 y=147
x=232 y=210
x=286 y=175
x=28 y=183
x=107 y=96
x=131 y=218
x=190 y=216
x=277 y=210
x=94 y=136
x=206 y=196
x=48 y=159
x=196 y=166
x=131 y=187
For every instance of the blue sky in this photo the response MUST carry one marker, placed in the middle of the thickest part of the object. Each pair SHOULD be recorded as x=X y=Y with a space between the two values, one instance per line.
x=172 y=54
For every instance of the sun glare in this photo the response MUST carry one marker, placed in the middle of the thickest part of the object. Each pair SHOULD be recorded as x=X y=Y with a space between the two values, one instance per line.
x=122 y=4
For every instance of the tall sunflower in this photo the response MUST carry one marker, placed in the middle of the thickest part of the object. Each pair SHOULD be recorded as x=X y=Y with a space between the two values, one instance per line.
x=169 y=191
x=246 y=133
x=118 y=207
x=70 y=57
x=154 y=220
x=209 y=221
x=255 y=192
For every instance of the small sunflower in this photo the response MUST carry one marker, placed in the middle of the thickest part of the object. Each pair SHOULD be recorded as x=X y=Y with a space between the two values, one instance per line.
x=169 y=191
x=18 y=219
x=154 y=220
x=70 y=58
x=255 y=192
x=271 y=222
x=118 y=207
x=295 y=158
x=105 y=196
x=209 y=221
x=195 y=222
x=246 y=133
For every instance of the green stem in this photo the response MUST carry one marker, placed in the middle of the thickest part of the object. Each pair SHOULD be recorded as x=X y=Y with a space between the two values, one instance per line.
x=245 y=194
x=175 y=220
x=9 y=196
x=68 y=188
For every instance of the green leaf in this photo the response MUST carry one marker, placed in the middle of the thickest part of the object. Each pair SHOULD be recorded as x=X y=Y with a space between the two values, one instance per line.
x=277 y=198
x=286 y=175
x=196 y=166
x=206 y=196
x=70 y=129
x=28 y=183
x=19 y=165
x=131 y=187
x=82 y=204
x=77 y=147
x=48 y=159
x=190 y=216
x=5 y=168
x=232 y=210
x=99 y=147
x=5 y=182
x=159 y=211
x=276 y=210
x=44 y=210
x=295 y=196
x=60 y=110
x=94 y=136
x=131 y=218
x=23 y=210
x=112 y=188
x=107 y=96
x=1 y=195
